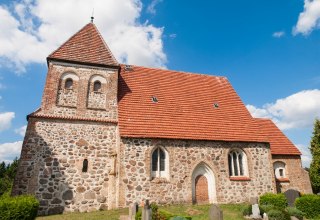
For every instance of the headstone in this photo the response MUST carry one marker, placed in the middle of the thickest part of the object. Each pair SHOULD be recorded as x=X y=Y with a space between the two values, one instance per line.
x=255 y=211
x=215 y=213
x=146 y=211
x=265 y=216
x=253 y=200
x=133 y=209
x=291 y=196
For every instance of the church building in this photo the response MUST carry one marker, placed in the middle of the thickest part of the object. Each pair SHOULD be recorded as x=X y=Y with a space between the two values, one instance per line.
x=108 y=134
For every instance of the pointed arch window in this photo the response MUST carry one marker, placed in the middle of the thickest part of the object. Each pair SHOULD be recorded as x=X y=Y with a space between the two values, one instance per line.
x=159 y=163
x=237 y=161
x=68 y=84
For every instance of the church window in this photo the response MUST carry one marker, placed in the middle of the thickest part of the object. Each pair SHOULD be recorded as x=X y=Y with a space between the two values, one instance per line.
x=97 y=86
x=237 y=162
x=159 y=163
x=85 y=165
x=279 y=169
x=68 y=84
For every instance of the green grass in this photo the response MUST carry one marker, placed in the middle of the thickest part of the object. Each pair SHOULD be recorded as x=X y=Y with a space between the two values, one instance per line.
x=198 y=212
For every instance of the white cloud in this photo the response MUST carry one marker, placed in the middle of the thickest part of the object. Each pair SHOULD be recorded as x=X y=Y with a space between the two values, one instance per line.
x=152 y=7
x=21 y=130
x=309 y=19
x=278 y=34
x=34 y=30
x=295 y=111
x=5 y=120
x=306 y=155
x=8 y=151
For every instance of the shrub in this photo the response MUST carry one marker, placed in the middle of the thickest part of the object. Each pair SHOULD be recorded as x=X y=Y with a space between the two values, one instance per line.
x=295 y=212
x=21 y=207
x=277 y=200
x=309 y=204
x=247 y=210
x=138 y=215
x=181 y=218
x=165 y=215
x=266 y=208
x=276 y=214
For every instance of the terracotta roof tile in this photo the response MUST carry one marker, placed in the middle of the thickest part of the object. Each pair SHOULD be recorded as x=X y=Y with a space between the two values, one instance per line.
x=185 y=107
x=86 y=46
x=279 y=143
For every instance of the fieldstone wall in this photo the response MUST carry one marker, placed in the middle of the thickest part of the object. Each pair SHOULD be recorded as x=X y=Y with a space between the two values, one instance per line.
x=80 y=101
x=296 y=177
x=52 y=160
x=136 y=183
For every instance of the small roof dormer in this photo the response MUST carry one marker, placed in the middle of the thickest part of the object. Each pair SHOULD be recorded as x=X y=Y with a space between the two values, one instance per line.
x=85 y=47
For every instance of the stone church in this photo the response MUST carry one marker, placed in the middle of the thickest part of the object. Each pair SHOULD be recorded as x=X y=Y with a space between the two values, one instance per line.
x=108 y=134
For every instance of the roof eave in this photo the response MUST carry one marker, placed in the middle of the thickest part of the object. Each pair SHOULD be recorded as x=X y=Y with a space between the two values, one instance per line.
x=115 y=66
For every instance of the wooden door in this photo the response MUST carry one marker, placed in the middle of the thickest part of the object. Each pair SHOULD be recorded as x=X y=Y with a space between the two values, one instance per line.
x=201 y=188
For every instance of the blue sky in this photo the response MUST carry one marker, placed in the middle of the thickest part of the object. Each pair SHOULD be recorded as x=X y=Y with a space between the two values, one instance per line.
x=269 y=50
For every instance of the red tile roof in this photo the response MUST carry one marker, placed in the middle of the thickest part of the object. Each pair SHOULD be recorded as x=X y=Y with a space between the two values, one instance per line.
x=86 y=46
x=185 y=107
x=279 y=143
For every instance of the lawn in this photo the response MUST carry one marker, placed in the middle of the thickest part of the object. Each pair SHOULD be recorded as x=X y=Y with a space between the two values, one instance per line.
x=198 y=212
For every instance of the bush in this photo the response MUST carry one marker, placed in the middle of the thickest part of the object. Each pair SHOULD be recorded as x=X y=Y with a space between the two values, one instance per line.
x=21 y=207
x=138 y=215
x=266 y=208
x=277 y=200
x=247 y=210
x=276 y=214
x=295 y=212
x=181 y=218
x=309 y=204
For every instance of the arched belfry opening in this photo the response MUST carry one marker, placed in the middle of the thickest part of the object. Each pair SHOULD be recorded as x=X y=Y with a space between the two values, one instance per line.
x=203 y=185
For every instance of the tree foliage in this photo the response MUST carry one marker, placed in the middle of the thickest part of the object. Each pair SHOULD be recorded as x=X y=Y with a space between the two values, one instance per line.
x=315 y=163
x=7 y=174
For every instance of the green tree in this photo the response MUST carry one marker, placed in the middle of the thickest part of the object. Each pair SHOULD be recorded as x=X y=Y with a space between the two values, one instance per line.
x=7 y=174
x=315 y=152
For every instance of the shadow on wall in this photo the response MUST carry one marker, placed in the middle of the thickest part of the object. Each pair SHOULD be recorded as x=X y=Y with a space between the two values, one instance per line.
x=52 y=167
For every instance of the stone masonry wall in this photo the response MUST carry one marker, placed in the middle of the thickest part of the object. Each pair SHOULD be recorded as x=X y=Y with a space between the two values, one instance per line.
x=51 y=165
x=137 y=185
x=79 y=101
x=298 y=178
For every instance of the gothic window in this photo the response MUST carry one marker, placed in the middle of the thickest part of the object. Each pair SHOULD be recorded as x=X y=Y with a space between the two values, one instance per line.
x=85 y=165
x=237 y=162
x=159 y=163
x=97 y=86
x=68 y=84
x=279 y=169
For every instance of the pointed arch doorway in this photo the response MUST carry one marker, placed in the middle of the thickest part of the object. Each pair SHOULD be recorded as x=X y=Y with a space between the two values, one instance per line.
x=203 y=185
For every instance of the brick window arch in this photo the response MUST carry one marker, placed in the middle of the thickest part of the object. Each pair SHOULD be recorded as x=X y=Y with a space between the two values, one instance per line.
x=237 y=161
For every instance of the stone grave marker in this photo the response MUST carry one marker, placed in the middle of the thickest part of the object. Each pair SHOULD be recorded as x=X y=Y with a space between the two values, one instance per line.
x=291 y=196
x=215 y=213
x=133 y=209
x=255 y=211
x=146 y=211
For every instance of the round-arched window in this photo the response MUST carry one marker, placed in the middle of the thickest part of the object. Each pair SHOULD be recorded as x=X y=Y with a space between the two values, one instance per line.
x=97 y=86
x=68 y=84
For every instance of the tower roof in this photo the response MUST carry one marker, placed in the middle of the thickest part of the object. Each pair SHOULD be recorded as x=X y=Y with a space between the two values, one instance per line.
x=86 y=46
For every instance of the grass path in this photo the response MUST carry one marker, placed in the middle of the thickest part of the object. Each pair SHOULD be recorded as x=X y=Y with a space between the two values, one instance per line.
x=198 y=212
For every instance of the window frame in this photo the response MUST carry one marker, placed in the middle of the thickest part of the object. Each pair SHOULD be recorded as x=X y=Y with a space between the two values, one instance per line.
x=237 y=163
x=94 y=86
x=158 y=172
x=66 y=84
x=277 y=166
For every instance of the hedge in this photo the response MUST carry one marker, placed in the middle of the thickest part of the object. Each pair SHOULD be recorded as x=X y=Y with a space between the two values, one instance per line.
x=276 y=214
x=295 y=212
x=277 y=200
x=309 y=204
x=20 y=207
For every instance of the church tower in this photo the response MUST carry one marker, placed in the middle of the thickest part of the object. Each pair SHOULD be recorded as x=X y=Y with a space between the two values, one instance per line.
x=68 y=158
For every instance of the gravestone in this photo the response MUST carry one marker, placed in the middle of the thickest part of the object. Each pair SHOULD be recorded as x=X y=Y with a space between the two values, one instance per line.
x=291 y=196
x=146 y=211
x=265 y=216
x=215 y=213
x=133 y=209
x=255 y=211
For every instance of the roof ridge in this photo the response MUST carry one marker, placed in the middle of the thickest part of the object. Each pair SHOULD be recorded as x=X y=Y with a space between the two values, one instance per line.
x=176 y=71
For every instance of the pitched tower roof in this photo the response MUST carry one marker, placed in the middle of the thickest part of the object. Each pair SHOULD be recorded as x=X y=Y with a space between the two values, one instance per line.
x=86 y=46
